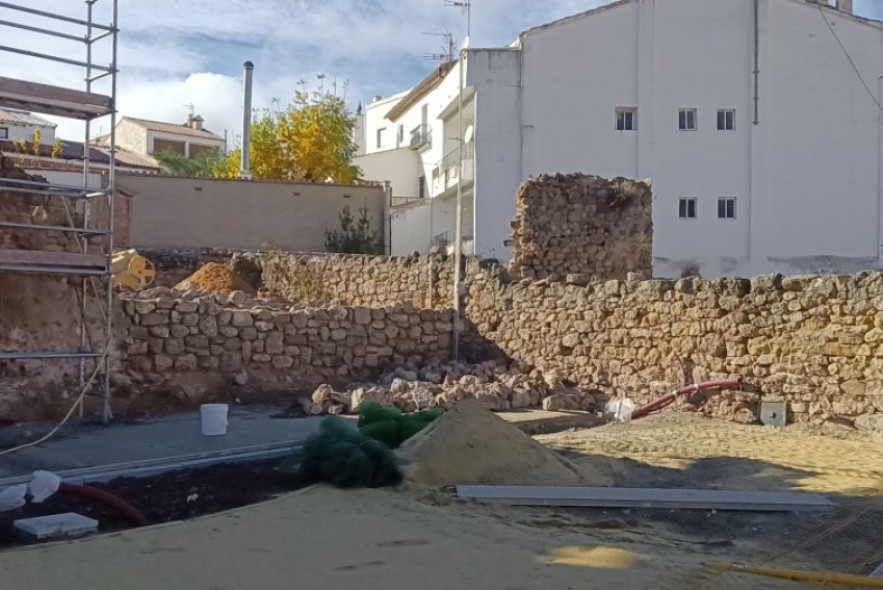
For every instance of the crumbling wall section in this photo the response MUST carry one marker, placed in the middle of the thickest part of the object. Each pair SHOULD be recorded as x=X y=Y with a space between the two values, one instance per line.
x=582 y=225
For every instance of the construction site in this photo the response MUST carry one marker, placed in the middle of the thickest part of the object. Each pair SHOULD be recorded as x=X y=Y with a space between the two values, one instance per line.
x=209 y=418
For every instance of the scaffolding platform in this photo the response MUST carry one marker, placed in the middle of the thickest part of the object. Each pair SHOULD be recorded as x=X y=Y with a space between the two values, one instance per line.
x=53 y=100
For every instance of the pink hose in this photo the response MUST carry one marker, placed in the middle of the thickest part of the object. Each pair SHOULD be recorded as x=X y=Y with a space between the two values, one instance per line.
x=668 y=398
x=106 y=498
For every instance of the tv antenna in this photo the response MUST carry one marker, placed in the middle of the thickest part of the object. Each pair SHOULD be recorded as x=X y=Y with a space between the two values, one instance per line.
x=465 y=7
x=192 y=108
x=447 y=54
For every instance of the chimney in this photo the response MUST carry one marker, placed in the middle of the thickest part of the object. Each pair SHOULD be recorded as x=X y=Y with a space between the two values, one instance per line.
x=844 y=6
x=377 y=98
x=245 y=168
x=195 y=122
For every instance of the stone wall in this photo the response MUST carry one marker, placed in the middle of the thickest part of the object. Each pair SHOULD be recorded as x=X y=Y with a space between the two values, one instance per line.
x=41 y=313
x=359 y=280
x=211 y=338
x=582 y=225
x=816 y=342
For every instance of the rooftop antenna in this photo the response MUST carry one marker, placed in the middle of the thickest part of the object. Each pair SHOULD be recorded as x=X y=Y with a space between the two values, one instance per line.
x=465 y=7
x=447 y=54
x=192 y=108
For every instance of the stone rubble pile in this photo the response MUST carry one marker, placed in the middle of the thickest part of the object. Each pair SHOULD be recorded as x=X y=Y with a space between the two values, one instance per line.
x=493 y=383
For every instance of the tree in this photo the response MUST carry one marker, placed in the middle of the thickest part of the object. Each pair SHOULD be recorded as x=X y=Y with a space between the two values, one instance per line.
x=201 y=165
x=311 y=140
x=354 y=237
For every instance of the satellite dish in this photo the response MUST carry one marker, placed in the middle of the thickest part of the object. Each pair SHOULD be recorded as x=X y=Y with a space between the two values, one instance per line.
x=470 y=132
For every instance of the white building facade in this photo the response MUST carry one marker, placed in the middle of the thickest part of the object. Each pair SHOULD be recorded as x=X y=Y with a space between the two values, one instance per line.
x=23 y=126
x=758 y=122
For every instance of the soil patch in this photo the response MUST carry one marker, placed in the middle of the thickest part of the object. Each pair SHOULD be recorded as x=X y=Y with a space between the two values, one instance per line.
x=470 y=445
x=218 y=277
x=175 y=495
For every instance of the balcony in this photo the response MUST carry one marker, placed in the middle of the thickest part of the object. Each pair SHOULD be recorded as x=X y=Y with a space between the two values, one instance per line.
x=449 y=168
x=421 y=136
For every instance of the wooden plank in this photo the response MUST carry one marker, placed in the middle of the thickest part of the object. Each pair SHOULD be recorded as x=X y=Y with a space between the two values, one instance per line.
x=53 y=100
x=645 y=498
x=12 y=258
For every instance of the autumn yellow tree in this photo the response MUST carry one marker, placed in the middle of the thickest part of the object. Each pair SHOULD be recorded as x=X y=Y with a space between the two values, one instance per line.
x=311 y=140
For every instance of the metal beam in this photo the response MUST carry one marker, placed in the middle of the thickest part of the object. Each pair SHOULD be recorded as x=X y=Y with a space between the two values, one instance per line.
x=6 y=23
x=37 y=356
x=61 y=228
x=50 y=57
x=55 y=16
x=686 y=499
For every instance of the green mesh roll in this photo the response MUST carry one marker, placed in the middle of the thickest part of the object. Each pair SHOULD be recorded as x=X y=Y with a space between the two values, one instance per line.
x=341 y=455
x=390 y=426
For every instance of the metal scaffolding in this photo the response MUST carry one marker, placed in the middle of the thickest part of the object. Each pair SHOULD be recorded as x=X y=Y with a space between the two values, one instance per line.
x=93 y=260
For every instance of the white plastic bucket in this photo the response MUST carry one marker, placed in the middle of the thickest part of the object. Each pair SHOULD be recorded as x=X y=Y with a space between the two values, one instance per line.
x=214 y=419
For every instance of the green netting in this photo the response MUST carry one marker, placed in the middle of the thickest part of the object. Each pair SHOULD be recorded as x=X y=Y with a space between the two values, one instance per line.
x=341 y=455
x=390 y=426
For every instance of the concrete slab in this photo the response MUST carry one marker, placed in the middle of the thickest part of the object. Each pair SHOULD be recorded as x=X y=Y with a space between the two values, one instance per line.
x=91 y=445
x=56 y=526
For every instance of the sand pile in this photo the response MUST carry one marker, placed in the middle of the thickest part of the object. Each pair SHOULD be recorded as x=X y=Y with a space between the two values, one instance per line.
x=215 y=277
x=470 y=445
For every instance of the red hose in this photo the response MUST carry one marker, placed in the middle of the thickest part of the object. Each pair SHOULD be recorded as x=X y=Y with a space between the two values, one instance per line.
x=668 y=398
x=106 y=498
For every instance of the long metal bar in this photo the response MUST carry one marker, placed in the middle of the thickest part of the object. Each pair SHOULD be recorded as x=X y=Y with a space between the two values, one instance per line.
x=64 y=60
x=51 y=193
x=37 y=356
x=51 y=270
x=99 y=77
x=76 y=230
x=6 y=23
x=5 y=182
x=458 y=220
x=96 y=38
x=106 y=409
x=84 y=243
x=54 y=16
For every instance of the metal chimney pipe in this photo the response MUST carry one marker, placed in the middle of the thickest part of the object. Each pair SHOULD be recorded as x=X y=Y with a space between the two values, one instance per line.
x=245 y=167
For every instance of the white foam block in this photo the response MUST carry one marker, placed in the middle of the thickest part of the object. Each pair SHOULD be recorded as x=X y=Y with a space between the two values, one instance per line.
x=56 y=526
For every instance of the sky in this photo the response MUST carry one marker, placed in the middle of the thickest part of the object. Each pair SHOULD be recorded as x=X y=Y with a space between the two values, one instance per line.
x=176 y=53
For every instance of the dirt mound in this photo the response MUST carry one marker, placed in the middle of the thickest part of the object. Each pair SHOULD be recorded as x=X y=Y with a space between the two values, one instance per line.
x=469 y=445
x=215 y=277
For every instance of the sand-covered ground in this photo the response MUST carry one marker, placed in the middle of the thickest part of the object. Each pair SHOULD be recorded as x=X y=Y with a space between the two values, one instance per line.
x=422 y=537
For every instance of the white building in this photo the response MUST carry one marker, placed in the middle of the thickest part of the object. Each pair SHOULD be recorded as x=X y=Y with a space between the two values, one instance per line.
x=23 y=126
x=759 y=123
x=151 y=137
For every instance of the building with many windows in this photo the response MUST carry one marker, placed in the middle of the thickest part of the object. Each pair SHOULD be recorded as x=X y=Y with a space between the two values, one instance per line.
x=758 y=122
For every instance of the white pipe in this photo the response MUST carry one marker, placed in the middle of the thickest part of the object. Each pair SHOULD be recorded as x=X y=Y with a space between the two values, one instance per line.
x=245 y=171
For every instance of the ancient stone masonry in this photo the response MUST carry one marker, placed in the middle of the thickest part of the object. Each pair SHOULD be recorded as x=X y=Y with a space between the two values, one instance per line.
x=582 y=225
x=358 y=280
x=171 y=334
x=816 y=342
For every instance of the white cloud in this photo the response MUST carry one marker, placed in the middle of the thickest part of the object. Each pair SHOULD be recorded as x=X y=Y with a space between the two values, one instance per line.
x=177 y=52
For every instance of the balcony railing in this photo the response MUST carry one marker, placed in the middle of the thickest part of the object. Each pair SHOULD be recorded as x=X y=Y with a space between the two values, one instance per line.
x=449 y=166
x=421 y=136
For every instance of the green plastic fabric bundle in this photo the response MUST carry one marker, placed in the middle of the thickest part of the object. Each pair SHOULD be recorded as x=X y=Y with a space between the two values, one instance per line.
x=390 y=426
x=341 y=455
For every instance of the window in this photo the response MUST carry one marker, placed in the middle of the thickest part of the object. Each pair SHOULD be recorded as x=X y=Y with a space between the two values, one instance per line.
x=726 y=120
x=4 y=132
x=687 y=119
x=626 y=119
x=380 y=133
x=687 y=208
x=400 y=137
x=421 y=187
x=726 y=208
